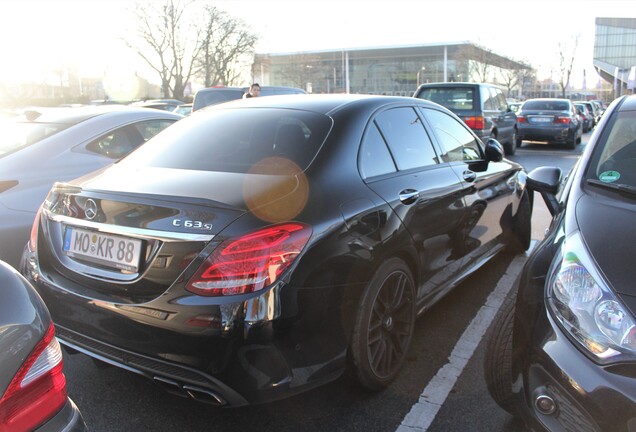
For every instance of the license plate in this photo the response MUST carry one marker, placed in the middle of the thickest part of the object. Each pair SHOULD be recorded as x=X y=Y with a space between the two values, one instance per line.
x=105 y=249
x=541 y=119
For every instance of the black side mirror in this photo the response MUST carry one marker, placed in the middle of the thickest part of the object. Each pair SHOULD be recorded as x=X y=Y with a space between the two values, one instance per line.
x=494 y=151
x=546 y=181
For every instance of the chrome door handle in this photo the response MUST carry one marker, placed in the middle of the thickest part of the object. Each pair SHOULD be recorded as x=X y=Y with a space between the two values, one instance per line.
x=409 y=196
x=469 y=176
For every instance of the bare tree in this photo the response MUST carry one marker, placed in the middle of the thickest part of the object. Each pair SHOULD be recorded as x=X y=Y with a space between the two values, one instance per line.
x=227 y=48
x=168 y=43
x=567 y=54
x=516 y=78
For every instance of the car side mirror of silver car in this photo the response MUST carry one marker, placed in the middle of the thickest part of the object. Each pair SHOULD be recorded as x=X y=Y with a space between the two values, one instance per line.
x=546 y=181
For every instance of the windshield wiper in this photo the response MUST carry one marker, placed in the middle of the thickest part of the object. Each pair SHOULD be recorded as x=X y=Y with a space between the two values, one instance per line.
x=627 y=189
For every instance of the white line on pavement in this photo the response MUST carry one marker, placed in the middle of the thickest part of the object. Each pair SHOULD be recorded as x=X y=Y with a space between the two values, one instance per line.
x=432 y=398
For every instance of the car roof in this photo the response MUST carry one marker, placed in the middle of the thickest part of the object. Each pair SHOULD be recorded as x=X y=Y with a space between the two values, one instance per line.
x=320 y=103
x=78 y=114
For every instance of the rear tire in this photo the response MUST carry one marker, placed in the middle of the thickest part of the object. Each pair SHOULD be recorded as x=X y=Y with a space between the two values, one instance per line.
x=384 y=325
x=498 y=358
x=511 y=146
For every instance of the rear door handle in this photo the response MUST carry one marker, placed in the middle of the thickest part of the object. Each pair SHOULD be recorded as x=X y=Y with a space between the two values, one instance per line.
x=469 y=176
x=409 y=196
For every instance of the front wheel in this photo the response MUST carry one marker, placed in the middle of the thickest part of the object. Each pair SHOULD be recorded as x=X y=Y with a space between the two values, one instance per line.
x=498 y=358
x=384 y=325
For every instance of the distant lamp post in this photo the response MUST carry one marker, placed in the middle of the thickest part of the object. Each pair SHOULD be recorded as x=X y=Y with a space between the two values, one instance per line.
x=418 y=74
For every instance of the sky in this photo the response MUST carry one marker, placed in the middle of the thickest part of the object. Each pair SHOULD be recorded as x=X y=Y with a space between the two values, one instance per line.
x=40 y=36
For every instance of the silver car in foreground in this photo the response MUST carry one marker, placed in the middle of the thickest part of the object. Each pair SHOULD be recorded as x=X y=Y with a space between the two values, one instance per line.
x=32 y=385
x=47 y=145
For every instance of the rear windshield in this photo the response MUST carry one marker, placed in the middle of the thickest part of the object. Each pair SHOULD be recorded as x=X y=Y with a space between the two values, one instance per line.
x=546 y=105
x=204 y=98
x=234 y=140
x=451 y=98
x=18 y=135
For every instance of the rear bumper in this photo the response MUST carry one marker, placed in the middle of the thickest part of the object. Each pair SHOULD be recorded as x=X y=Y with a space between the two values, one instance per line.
x=551 y=134
x=230 y=351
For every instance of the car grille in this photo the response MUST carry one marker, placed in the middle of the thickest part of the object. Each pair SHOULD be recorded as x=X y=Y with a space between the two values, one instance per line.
x=176 y=379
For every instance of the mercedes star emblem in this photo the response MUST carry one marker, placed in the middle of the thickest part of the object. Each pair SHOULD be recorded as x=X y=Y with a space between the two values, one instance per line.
x=90 y=209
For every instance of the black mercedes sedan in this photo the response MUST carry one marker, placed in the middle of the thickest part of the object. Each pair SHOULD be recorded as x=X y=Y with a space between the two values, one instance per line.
x=562 y=351
x=264 y=246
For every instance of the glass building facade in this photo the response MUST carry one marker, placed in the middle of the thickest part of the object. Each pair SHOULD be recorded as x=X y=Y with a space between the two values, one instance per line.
x=385 y=70
x=615 y=52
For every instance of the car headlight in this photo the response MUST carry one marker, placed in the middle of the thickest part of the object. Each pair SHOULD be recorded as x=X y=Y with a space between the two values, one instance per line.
x=586 y=307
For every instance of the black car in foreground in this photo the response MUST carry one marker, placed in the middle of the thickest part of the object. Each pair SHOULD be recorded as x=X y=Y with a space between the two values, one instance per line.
x=551 y=120
x=562 y=351
x=260 y=247
x=32 y=385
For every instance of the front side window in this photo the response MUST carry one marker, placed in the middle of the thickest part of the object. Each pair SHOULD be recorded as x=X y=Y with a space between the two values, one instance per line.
x=458 y=144
x=407 y=139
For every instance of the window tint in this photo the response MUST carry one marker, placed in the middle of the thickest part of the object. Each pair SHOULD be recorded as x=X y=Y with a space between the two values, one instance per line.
x=118 y=143
x=375 y=158
x=451 y=98
x=456 y=141
x=234 y=140
x=407 y=139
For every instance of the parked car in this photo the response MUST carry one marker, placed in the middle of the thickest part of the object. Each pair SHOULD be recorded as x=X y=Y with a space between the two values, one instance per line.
x=586 y=116
x=161 y=104
x=483 y=107
x=551 y=120
x=183 y=109
x=32 y=385
x=215 y=95
x=595 y=111
x=295 y=234
x=561 y=351
x=58 y=144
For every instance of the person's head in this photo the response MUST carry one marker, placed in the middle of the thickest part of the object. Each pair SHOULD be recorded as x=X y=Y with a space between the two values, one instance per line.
x=255 y=89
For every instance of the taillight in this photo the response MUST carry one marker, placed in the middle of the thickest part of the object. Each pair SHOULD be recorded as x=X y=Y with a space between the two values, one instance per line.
x=477 y=122
x=33 y=239
x=563 y=120
x=38 y=390
x=522 y=119
x=251 y=262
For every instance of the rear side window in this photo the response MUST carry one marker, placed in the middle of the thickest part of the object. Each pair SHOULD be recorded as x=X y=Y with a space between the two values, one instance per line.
x=234 y=140
x=407 y=139
x=215 y=96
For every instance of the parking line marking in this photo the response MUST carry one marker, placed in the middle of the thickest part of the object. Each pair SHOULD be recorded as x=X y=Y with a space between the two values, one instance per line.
x=422 y=414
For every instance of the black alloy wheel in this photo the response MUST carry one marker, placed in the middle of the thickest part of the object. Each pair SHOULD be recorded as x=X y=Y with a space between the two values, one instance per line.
x=384 y=325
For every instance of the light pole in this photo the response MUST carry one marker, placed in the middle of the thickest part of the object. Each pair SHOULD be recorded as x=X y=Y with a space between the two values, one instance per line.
x=418 y=75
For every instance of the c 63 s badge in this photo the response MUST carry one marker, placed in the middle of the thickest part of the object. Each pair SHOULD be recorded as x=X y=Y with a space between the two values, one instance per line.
x=193 y=224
